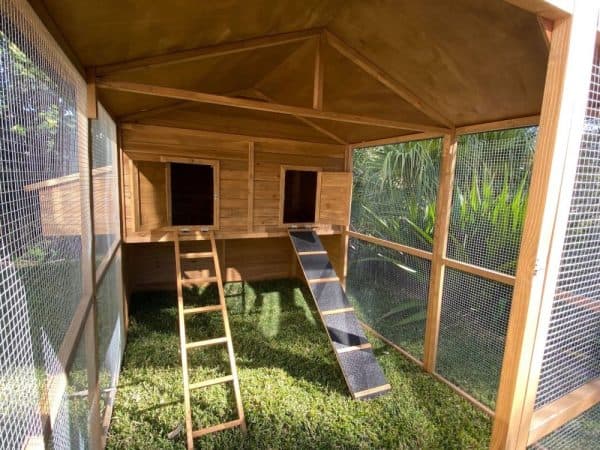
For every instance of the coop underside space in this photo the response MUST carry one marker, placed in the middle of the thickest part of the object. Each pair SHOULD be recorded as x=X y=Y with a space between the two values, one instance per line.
x=293 y=390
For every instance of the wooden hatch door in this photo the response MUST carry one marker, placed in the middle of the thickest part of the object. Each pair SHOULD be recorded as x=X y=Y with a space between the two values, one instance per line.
x=335 y=194
x=150 y=190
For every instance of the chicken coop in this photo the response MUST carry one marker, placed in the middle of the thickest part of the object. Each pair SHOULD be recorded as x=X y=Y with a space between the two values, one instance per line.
x=383 y=218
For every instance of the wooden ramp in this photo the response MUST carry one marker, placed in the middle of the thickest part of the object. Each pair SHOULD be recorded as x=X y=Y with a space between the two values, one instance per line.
x=198 y=345
x=363 y=375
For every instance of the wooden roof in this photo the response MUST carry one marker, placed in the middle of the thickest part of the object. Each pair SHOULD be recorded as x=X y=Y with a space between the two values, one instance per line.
x=432 y=63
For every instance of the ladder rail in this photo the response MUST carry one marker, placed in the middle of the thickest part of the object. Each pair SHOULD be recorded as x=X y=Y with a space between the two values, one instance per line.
x=183 y=349
x=185 y=346
x=232 y=363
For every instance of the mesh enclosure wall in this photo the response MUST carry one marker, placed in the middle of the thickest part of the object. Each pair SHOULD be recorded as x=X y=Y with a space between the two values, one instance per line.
x=473 y=324
x=41 y=134
x=111 y=331
x=490 y=193
x=389 y=292
x=105 y=182
x=572 y=352
x=582 y=433
x=394 y=192
x=71 y=427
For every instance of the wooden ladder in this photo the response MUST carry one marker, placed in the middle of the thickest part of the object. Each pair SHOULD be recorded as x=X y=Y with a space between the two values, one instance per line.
x=185 y=346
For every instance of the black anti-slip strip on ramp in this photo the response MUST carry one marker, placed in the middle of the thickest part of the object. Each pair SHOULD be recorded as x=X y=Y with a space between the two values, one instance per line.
x=317 y=266
x=306 y=241
x=344 y=330
x=329 y=296
x=360 y=368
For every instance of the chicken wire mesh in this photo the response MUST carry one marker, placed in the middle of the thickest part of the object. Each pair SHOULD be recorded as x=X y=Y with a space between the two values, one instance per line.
x=572 y=350
x=70 y=430
x=41 y=132
x=394 y=192
x=581 y=433
x=491 y=185
x=105 y=183
x=111 y=332
x=389 y=292
x=473 y=324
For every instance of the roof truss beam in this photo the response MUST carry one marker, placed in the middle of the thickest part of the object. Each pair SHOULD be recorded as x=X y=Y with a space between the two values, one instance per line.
x=207 y=52
x=384 y=78
x=201 y=97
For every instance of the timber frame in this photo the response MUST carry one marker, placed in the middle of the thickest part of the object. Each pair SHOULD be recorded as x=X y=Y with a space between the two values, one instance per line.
x=163 y=119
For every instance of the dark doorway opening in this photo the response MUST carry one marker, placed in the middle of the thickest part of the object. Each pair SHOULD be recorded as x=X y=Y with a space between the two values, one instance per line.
x=192 y=194
x=300 y=196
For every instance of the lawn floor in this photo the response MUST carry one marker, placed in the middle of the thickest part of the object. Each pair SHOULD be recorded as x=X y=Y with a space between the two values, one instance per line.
x=292 y=389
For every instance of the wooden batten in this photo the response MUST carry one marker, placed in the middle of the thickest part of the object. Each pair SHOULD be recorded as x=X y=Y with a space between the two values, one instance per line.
x=250 y=187
x=207 y=52
x=518 y=122
x=202 y=97
x=557 y=413
x=442 y=223
x=91 y=97
x=319 y=74
x=387 y=80
x=549 y=9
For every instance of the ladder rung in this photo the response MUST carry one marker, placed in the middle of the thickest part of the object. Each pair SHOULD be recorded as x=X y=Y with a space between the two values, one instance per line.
x=202 y=309
x=212 y=382
x=206 y=343
x=323 y=280
x=315 y=252
x=354 y=348
x=337 y=311
x=199 y=280
x=375 y=390
x=215 y=428
x=196 y=255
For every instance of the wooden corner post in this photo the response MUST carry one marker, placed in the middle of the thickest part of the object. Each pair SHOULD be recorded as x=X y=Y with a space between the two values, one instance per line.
x=559 y=136
x=442 y=222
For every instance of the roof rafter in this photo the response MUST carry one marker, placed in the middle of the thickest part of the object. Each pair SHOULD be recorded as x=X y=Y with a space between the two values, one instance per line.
x=207 y=52
x=201 y=97
x=304 y=120
x=384 y=78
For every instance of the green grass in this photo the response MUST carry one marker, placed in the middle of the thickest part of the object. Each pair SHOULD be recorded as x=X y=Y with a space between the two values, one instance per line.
x=293 y=391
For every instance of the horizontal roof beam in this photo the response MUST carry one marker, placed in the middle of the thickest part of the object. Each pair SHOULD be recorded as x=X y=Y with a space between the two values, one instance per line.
x=255 y=105
x=207 y=52
x=548 y=9
x=209 y=134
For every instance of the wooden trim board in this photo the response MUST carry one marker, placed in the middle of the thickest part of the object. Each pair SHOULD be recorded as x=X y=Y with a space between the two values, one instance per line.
x=255 y=105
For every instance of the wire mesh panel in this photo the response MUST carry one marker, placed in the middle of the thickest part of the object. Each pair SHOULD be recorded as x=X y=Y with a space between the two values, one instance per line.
x=473 y=324
x=41 y=134
x=111 y=331
x=389 y=292
x=572 y=352
x=490 y=193
x=582 y=433
x=394 y=192
x=71 y=428
x=105 y=182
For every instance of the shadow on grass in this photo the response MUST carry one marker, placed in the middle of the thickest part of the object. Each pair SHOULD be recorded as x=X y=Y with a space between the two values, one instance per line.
x=298 y=347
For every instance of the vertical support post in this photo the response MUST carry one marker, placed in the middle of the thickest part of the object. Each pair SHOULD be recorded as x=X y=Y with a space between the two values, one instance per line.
x=318 y=74
x=91 y=333
x=91 y=98
x=561 y=121
x=250 y=186
x=344 y=239
x=442 y=223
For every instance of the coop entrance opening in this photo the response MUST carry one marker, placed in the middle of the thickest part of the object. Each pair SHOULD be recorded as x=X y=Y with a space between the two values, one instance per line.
x=300 y=196
x=192 y=194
